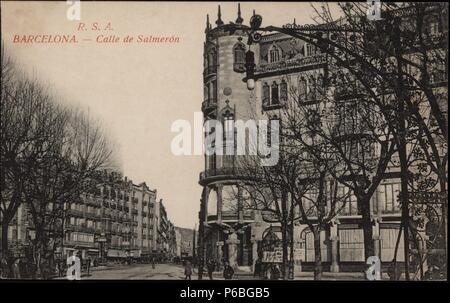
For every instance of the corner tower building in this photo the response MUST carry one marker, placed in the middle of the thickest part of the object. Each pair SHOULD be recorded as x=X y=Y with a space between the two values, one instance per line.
x=229 y=231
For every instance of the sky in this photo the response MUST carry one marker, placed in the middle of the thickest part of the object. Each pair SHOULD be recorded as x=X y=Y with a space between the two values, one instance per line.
x=136 y=90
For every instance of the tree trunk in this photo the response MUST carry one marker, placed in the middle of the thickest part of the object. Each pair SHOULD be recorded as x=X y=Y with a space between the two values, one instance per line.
x=364 y=207
x=4 y=237
x=317 y=254
x=285 y=244
x=284 y=234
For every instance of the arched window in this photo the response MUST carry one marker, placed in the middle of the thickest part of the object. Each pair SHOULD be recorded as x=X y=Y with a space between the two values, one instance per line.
x=266 y=94
x=229 y=200
x=274 y=54
x=212 y=61
x=212 y=91
x=212 y=203
x=239 y=57
x=205 y=92
x=275 y=96
x=283 y=91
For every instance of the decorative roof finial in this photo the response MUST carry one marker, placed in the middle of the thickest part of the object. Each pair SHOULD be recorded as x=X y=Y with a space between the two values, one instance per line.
x=219 y=21
x=207 y=22
x=294 y=22
x=239 y=19
x=254 y=13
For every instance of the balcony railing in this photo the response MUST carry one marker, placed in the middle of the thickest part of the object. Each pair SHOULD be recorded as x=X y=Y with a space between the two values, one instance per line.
x=209 y=105
x=290 y=64
x=225 y=172
x=209 y=70
x=75 y=212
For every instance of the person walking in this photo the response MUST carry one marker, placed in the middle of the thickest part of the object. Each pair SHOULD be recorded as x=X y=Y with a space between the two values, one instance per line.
x=153 y=262
x=88 y=265
x=275 y=272
x=211 y=266
x=228 y=271
x=187 y=270
x=16 y=269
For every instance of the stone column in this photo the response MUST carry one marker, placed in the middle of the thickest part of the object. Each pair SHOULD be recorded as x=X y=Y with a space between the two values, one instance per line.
x=334 y=248
x=219 y=203
x=232 y=249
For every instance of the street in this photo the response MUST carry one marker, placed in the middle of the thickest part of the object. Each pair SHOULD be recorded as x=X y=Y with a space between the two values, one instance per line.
x=176 y=272
x=138 y=272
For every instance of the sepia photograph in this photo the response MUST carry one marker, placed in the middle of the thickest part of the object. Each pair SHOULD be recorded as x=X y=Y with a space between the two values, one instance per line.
x=224 y=141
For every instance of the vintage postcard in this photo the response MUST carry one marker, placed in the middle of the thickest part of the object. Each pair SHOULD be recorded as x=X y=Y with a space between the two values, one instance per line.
x=224 y=141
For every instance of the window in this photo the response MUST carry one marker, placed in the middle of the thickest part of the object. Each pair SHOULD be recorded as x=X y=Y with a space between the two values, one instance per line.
x=212 y=90
x=275 y=97
x=302 y=88
x=351 y=206
x=229 y=142
x=266 y=94
x=274 y=54
x=283 y=91
x=239 y=58
x=388 y=195
x=310 y=50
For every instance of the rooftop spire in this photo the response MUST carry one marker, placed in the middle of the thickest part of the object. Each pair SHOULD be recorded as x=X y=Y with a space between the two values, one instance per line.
x=219 y=21
x=239 y=19
x=207 y=22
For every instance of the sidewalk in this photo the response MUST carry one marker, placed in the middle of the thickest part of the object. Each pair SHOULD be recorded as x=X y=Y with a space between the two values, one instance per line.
x=300 y=276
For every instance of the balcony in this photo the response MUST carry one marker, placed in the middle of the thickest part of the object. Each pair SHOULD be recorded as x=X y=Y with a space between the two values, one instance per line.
x=144 y=214
x=289 y=65
x=209 y=105
x=81 y=244
x=92 y=201
x=134 y=211
x=135 y=200
x=348 y=92
x=92 y=215
x=216 y=174
x=209 y=71
x=75 y=212
x=144 y=225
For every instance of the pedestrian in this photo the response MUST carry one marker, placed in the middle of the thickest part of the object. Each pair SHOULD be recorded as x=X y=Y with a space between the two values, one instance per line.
x=88 y=264
x=228 y=271
x=16 y=269
x=153 y=262
x=394 y=271
x=275 y=272
x=210 y=266
x=187 y=270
